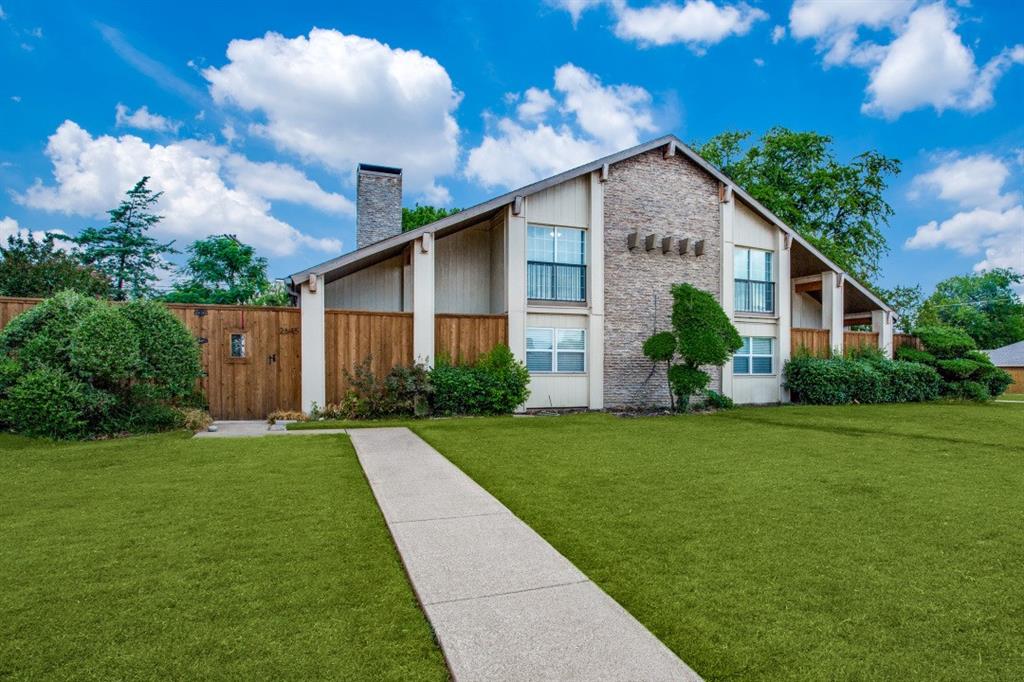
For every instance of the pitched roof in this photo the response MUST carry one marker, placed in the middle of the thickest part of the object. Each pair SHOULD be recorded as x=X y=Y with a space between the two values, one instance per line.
x=482 y=210
x=1008 y=356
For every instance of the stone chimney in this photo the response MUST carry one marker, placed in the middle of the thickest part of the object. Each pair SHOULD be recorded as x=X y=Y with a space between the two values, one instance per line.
x=378 y=203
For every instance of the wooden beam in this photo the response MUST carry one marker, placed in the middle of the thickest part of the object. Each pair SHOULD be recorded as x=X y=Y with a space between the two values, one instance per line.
x=631 y=240
x=698 y=248
x=604 y=173
x=684 y=246
x=670 y=150
x=803 y=287
x=649 y=242
x=666 y=244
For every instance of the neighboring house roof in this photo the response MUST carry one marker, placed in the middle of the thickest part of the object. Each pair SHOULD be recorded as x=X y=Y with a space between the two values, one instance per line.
x=1008 y=356
x=481 y=211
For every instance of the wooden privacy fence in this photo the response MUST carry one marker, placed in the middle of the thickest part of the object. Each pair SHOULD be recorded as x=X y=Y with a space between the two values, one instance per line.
x=900 y=340
x=350 y=336
x=817 y=342
x=854 y=340
x=463 y=338
x=257 y=372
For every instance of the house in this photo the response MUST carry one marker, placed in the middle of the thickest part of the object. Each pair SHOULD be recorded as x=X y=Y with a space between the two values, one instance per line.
x=577 y=268
x=1010 y=358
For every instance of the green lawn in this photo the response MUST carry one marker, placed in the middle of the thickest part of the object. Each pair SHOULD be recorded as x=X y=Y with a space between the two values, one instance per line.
x=163 y=557
x=1012 y=396
x=803 y=543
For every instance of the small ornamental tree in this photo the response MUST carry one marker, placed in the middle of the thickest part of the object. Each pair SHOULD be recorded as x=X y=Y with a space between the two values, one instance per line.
x=701 y=335
x=967 y=373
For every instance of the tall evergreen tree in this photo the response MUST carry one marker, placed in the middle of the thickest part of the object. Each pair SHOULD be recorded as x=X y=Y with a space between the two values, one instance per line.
x=122 y=250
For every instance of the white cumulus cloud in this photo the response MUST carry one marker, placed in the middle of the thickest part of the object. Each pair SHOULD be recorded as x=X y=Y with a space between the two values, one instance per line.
x=207 y=189
x=697 y=24
x=991 y=222
x=340 y=99
x=925 y=62
x=593 y=119
x=143 y=119
x=9 y=228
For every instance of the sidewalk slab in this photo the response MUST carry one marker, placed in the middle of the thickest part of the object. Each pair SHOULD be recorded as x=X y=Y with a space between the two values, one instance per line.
x=571 y=632
x=503 y=602
x=257 y=428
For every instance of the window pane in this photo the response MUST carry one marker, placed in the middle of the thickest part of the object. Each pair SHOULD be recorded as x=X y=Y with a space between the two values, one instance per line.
x=741 y=262
x=740 y=364
x=759 y=261
x=539 y=280
x=768 y=266
x=761 y=365
x=745 y=348
x=238 y=345
x=761 y=345
x=538 y=339
x=540 y=244
x=571 y=339
x=538 y=361
x=570 y=245
x=570 y=362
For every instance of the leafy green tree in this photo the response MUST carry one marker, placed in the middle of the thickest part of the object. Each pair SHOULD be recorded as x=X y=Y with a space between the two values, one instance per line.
x=423 y=215
x=122 y=250
x=906 y=301
x=221 y=269
x=836 y=206
x=40 y=268
x=702 y=336
x=984 y=305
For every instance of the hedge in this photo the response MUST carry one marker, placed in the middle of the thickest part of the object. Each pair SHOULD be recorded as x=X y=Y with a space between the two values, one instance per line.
x=838 y=381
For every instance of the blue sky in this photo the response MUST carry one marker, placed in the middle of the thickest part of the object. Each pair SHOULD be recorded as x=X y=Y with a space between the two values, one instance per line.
x=252 y=116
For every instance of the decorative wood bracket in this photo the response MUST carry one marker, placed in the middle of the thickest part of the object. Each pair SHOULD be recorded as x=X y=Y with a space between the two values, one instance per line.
x=517 y=206
x=649 y=242
x=631 y=240
x=684 y=246
x=604 y=173
x=670 y=150
x=698 y=248
x=666 y=244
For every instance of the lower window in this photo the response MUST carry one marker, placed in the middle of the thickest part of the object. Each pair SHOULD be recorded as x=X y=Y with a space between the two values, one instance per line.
x=556 y=350
x=755 y=357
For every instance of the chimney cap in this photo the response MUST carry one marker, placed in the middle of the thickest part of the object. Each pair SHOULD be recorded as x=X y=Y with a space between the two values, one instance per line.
x=374 y=168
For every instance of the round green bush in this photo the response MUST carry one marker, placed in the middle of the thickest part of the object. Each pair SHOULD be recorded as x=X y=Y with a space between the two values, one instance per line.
x=49 y=403
x=104 y=347
x=41 y=336
x=661 y=347
x=957 y=368
x=169 y=354
x=945 y=342
x=685 y=381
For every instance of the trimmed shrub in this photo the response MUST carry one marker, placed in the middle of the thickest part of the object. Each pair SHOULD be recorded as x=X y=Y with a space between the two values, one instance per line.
x=104 y=347
x=168 y=353
x=685 y=381
x=718 y=401
x=73 y=367
x=945 y=342
x=49 y=403
x=967 y=373
x=911 y=354
x=661 y=347
x=403 y=391
x=495 y=384
x=837 y=381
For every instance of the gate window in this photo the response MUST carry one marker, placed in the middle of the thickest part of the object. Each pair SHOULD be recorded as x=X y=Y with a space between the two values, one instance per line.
x=237 y=346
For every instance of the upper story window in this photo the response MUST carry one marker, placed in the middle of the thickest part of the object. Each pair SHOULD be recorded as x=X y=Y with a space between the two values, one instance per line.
x=755 y=287
x=556 y=266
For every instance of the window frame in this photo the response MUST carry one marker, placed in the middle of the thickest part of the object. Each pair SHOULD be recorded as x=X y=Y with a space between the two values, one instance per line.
x=553 y=263
x=750 y=355
x=554 y=351
x=770 y=281
x=231 y=357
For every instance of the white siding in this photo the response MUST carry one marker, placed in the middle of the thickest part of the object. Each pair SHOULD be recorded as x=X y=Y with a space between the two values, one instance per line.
x=752 y=231
x=758 y=389
x=378 y=287
x=558 y=390
x=463 y=267
x=565 y=204
x=806 y=311
x=499 y=302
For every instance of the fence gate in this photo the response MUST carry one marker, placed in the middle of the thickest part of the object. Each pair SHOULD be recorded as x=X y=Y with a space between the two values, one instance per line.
x=251 y=358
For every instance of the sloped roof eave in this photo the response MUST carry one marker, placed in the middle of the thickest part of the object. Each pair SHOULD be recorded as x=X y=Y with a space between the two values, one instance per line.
x=468 y=216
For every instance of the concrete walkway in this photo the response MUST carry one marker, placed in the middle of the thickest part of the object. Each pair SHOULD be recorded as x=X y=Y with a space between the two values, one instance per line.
x=256 y=428
x=505 y=605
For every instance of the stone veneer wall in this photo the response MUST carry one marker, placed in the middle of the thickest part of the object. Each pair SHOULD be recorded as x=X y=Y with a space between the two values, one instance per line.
x=667 y=197
x=378 y=206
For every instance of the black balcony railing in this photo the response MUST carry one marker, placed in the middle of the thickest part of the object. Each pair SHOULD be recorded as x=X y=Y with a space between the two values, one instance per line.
x=556 y=281
x=753 y=296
